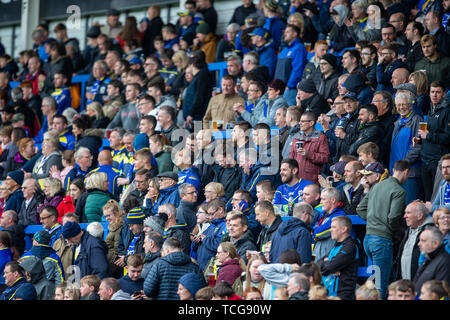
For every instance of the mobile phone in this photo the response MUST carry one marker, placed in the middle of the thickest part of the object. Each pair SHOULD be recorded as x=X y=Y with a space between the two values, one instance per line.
x=136 y=293
x=299 y=144
x=243 y=204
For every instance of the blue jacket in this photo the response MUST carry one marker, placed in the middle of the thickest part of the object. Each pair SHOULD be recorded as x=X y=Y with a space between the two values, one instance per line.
x=401 y=145
x=168 y=195
x=67 y=140
x=54 y=269
x=99 y=89
x=238 y=47
x=249 y=181
x=268 y=58
x=14 y=201
x=92 y=258
x=63 y=97
x=291 y=63
x=439 y=200
x=6 y=256
x=208 y=247
x=21 y=285
x=276 y=27
x=287 y=197
x=162 y=279
x=130 y=286
x=73 y=174
x=189 y=176
x=291 y=234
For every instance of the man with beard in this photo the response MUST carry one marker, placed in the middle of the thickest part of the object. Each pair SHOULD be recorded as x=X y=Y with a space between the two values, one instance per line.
x=291 y=191
x=442 y=198
x=388 y=61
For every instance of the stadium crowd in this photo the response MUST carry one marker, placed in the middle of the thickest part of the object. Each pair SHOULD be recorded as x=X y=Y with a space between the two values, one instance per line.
x=248 y=187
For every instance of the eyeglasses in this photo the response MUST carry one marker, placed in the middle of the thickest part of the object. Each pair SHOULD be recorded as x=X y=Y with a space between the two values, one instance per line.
x=192 y=192
x=445 y=217
x=43 y=218
x=303 y=121
x=212 y=213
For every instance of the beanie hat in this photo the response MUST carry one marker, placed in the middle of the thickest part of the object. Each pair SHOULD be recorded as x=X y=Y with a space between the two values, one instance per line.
x=42 y=237
x=271 y=4
x=156 y=223
x=192 y=282
x=307 y=85
x=70 y=230
x=140 y=142
x=93 y=32
x=189 y=38
x=331 y=59
x=136 y=216
x=203 y=28
x=17 y=176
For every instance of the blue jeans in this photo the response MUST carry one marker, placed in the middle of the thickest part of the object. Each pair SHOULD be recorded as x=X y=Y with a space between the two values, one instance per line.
x=290 y=95
x=380 y=251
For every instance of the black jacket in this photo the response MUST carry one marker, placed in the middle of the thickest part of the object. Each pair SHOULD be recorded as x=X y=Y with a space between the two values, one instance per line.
x=369 y=132
x=230 y=178
x=180 y=232
x=328 y=87
x=344 y=262
x=316 y=104
x=187 y=214
x=413 y=54
x=243 y=244
x=356 y=197
x=351 y=129
x=371 y=74
x=17 y=234
x=437 y=142
x=387 y=122
x=153 y=30
x=241 y=13
x=415 y=254
x=27 y=215
x=267 y=234
x=437 y=267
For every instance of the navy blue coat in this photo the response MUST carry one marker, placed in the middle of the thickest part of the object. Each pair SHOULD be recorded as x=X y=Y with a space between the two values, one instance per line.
x=14 y=201
x=162 y=279
x=130 y=286
x=292 y=234
x=92 y=257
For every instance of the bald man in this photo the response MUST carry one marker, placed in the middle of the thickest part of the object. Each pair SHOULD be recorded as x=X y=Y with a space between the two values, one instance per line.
x=105 y=161
x=399 y=76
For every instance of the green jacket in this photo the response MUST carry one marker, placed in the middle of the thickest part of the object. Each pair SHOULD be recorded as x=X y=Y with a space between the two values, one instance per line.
x=382 y=208
x=164 y=161
x=95 y=201
x=437 y=70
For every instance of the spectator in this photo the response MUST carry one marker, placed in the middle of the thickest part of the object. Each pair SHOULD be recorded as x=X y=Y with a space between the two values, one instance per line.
x=262 y=43
x=230 y=265
x=331 y=205
x=98 y=196
x=402 y=290
x=311 y=195
x=414 y=32
x=266 y=216
x=153 y=29
x=35 y=274
x=342 y=259
x=50 y=157
x=206 y=41
x=174 y=228
x=14 y=182
x=93 y=252
x=309 y=148
x=32 y=198
x=62 y=93
x=17 y=285
x=383 y=223
x=152 y=243
x=186 y=210
x=433 y=25
x=110 y=290
x=435 y=63
x=113 y=26
x=294 y=234
x=265 y=109
x=312 y=68
x=350 y=61
x=188 y=286
x=128 y=115
x=435 y=267
x=83 y=161
x=434 y=290
x=407 y=260
x=367 y=291
x=274 y=24
x=12 y=236
x=89 y=286
x=434 y=138
x=369 y=64
x=290 y=192
x=329 y=74
x=298 y=287
x=162 y=279
x=241 y=236
x=132 y=282
x=441 y=220
x=291 y=62
x=220 y=106
x=309 y=99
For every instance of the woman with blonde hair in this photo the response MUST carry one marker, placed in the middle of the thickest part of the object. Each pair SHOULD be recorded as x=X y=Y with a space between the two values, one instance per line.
x=441 y=218
x=95 y=112
x=253 y=278
x=112 y=212
x=54 y=193
x=420 y=80
x=368 y=291
x=297 y=20
x=214 y=190
x=231 y=264
x=25 y=153
x=97 y=186
x=180 y=59
x=318 y=292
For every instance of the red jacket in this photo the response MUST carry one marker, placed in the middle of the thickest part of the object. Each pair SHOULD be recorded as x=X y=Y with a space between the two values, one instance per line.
x=65 y=206
x=229 y=271
x=317 y=154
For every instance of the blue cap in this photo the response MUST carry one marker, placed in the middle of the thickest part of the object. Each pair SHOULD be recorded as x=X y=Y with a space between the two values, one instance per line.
x=351 y=95
x=134 y=60
x=260 y=32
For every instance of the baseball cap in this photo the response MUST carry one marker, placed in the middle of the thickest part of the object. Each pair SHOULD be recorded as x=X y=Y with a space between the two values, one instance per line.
x=18 y=117
x=374 y=167
x=338 y=167
x=186 y=13
x=260 y=32
x=351 y=95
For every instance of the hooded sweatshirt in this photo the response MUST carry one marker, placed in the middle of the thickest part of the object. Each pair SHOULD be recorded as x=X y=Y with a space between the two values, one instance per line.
x=45 y=289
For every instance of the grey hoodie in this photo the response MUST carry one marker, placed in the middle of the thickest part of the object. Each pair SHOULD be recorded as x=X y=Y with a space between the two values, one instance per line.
x=121 y=295
x=45 y=289
x=342 y=12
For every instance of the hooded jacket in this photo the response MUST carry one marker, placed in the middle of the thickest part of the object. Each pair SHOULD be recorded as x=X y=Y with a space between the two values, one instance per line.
x=21 y=285
x=316 y=104
x=357 y=84
x=288 y=144
x=340 y=36
x=327 y=87
x=229 y=271
x=179 y=231
x=162 y=280
x=45 y=289
x=54 y=269
x=291 y=234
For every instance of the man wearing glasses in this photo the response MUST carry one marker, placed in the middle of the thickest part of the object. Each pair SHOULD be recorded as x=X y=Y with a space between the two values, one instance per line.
x=168 y=191
x=388 y=61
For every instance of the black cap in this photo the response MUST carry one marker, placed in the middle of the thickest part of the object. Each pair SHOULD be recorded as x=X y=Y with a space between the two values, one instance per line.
x=93 y=32
x=168 y=174
x=113 y=12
